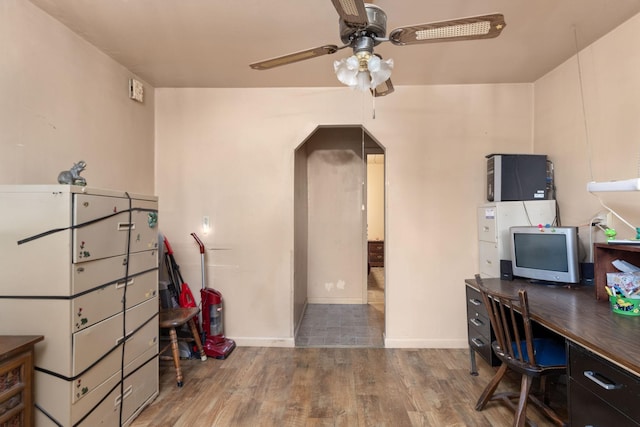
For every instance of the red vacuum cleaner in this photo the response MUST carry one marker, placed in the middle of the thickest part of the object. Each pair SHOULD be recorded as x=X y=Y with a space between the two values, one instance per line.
x=213 y=340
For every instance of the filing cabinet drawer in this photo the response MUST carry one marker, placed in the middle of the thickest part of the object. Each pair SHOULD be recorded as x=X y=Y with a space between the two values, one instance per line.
x=487 y=224
x=489 y=259
x=88 y=240
x=92 y=274
x=91 y=308
x=92 y=343
x=605 y=381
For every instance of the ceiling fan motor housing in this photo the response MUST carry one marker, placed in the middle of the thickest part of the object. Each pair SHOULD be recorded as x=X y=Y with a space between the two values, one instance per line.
x=377 y=26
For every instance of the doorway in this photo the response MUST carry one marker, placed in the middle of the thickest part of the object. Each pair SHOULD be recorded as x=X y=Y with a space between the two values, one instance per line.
x=331 y=249
x=375 y=227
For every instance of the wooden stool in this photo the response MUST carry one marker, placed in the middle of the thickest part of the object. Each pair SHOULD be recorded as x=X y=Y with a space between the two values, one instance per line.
x=172 y=318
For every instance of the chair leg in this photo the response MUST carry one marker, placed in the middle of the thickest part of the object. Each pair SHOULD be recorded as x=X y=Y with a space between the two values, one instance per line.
x=196 y=338
x=176 y=355
x=521 y=412
x=491 y=387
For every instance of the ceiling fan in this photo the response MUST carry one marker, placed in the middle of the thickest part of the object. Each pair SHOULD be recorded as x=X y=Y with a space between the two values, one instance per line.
x=364 y=26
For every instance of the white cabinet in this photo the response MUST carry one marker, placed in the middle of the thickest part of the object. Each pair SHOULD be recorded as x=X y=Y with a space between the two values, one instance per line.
x=80 y=266
x=494 y=220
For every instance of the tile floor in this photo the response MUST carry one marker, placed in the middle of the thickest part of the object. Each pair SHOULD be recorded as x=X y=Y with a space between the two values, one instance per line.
x=346 y=325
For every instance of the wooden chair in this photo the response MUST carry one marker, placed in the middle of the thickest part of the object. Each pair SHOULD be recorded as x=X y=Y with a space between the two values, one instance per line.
x=520 y=352
x=173 y=318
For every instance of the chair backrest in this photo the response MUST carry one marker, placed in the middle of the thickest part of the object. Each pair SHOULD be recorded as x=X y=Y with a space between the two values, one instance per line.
x=512 y=331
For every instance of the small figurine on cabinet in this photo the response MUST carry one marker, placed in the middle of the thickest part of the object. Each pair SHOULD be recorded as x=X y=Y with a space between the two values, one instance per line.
x=72 y=176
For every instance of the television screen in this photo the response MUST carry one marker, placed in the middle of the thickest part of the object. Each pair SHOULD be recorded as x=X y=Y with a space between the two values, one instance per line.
x=541 y=251
x=547 y=254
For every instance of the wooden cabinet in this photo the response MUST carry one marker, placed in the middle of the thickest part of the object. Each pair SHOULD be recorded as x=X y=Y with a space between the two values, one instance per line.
x=600 y=393
x=376 y=253
x=16 y=380
x=80 y=266
x=603 y=255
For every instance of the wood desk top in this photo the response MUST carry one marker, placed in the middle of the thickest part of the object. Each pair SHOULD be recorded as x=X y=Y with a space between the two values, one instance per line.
x=575 y=314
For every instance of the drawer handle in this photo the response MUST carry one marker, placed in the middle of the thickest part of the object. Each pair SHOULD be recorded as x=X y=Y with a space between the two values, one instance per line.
x=127 y=393
x=476 y=322
x=124 y=226
x=593 y=376
x=122 y=284
x=477 y=342
x=474 y=301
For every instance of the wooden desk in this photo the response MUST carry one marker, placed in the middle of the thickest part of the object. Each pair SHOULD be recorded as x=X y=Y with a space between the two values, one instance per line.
x=590 y=327
x=576 y=315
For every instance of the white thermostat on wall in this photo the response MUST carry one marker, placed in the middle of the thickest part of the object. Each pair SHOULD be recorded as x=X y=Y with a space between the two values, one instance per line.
x=136 y=90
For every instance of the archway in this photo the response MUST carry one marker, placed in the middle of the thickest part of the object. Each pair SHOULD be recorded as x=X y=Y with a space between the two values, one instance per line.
x=330 y=235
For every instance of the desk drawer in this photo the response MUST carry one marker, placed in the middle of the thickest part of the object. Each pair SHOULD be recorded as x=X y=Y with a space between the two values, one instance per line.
x=586 y=409
x=605 y=381
x=479 y=327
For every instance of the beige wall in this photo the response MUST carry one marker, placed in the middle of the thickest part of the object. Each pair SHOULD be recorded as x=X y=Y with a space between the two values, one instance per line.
x=336 y=222
x=229 y=154
x=602 y=145
x=62 y=101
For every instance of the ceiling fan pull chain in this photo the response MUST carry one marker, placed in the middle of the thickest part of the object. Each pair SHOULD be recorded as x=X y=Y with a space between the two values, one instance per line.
x=373 y=106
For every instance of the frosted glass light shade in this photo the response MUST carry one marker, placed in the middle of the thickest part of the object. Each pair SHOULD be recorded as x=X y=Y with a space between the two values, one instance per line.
x=349 y=72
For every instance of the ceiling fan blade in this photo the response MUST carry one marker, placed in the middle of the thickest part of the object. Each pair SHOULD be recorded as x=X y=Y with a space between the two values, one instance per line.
x=295 y=57
x=472 y=28
x=383 y=89
x=352 y=12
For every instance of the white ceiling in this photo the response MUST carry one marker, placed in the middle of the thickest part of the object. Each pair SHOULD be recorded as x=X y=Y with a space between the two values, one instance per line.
x=209 y=43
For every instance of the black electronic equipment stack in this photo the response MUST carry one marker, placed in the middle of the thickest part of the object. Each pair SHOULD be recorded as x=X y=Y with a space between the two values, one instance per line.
x=514 y=177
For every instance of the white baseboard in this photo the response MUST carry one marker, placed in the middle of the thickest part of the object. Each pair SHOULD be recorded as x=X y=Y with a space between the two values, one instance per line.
x=424 y=343
x=264 y=342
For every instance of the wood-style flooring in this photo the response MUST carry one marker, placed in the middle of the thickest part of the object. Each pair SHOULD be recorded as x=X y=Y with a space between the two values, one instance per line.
x=328 y=387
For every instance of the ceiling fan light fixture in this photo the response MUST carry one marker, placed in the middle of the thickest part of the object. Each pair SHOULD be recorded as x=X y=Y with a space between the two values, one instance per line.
x=363 y=71
x=347 y=70
x=380 y=70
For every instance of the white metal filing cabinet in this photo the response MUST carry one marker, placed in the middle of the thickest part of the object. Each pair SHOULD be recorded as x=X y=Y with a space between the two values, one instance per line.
x=494 y=220
x=80 y=266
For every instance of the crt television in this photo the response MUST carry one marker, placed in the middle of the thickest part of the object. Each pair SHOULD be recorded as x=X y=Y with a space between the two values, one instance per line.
x=546 y=254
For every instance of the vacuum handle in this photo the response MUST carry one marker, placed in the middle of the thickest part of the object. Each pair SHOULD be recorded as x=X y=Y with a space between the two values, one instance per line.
x=199 y=242
x=168 y=246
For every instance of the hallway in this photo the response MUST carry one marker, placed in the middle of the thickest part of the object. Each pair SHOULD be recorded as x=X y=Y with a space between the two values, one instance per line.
x=346 y=325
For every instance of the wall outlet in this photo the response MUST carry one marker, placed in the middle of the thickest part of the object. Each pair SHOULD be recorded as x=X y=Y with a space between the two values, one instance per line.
x=609 y=219
x=602 y=218
x=206 y=225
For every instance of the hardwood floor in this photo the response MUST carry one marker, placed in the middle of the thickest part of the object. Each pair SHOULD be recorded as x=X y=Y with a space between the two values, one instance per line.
x=328 y=387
